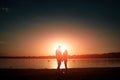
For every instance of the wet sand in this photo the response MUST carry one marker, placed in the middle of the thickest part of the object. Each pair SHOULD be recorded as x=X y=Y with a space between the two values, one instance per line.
x=53 y=74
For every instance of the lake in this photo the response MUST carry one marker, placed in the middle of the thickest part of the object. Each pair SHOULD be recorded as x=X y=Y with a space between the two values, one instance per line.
x=52 y=64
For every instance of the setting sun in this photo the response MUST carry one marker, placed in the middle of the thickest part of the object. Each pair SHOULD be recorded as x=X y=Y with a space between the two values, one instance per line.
x=63 y=47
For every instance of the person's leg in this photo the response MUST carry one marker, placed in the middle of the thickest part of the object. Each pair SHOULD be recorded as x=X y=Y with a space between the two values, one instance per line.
x=59 y=63
x=65 y=63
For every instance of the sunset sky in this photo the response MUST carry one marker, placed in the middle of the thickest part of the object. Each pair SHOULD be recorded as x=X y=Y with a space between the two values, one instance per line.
x=34 y=28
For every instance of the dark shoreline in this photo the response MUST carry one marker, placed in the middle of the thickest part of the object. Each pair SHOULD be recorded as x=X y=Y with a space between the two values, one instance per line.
x=53 y=74
x=94 y=55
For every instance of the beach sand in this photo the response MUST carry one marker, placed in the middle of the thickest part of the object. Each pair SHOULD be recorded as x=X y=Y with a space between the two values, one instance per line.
x=53 y=74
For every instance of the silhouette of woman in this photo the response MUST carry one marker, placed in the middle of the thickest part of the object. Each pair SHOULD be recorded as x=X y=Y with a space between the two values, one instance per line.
x=65 y=56
x=59 y=56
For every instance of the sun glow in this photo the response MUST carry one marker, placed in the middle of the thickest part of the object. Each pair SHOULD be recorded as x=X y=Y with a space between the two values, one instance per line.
x=63 y=47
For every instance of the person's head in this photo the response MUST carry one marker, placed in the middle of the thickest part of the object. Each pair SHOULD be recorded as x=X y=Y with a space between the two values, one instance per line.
x=59 y=46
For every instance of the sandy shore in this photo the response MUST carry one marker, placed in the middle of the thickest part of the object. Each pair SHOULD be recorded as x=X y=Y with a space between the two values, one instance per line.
x=53 y=74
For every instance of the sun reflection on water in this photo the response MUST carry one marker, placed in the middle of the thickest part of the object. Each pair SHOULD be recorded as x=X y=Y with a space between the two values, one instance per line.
x=62 y=65
x=53 y=64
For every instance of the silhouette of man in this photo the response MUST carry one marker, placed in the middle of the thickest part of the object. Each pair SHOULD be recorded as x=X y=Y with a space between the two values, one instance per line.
x=59 y=56
x=65 y=56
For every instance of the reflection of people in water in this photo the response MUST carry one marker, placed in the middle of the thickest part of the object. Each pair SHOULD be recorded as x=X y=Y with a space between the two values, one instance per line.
x=65 y=55
x=59 y=56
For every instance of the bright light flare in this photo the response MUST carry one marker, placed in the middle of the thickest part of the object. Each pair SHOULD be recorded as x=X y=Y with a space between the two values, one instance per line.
x=63 y=47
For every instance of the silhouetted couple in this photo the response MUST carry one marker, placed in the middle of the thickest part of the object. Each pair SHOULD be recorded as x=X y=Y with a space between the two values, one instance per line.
x=61 y=57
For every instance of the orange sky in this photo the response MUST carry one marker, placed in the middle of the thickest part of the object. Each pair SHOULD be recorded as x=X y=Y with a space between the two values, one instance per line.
x=33 y=28
x=40 y=39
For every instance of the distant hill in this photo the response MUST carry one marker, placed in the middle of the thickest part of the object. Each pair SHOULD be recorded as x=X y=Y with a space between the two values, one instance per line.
x=104 y=55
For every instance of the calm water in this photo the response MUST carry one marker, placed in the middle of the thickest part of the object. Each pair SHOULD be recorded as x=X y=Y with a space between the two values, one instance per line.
x=52 y=64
